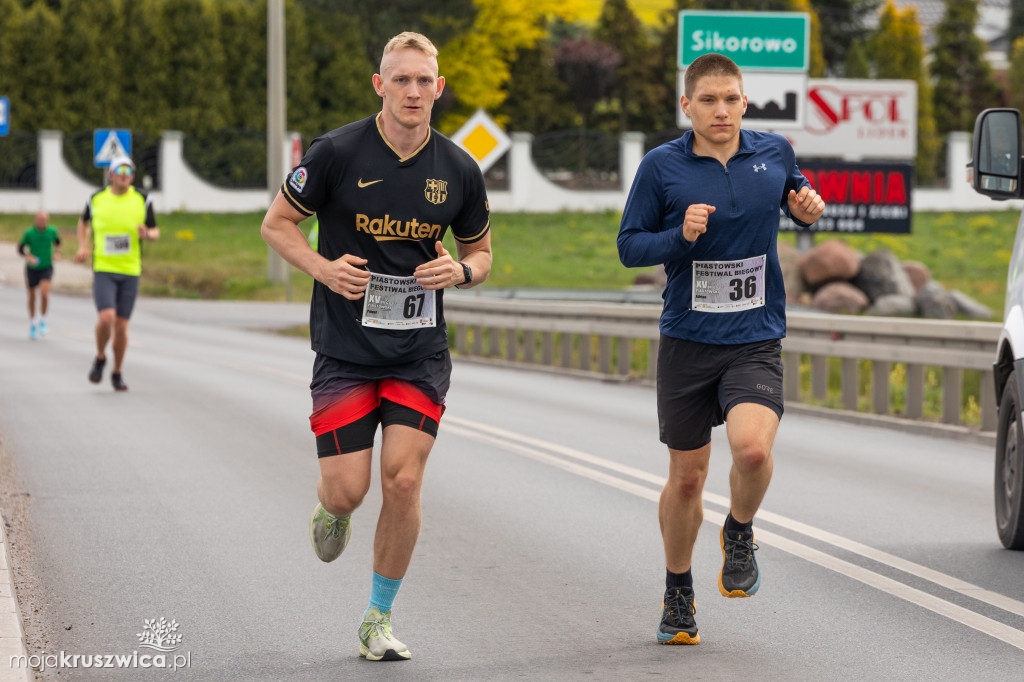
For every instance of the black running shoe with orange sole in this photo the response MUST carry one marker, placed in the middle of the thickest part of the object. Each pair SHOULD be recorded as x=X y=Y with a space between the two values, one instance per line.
x=740 y=576
x=677 y=623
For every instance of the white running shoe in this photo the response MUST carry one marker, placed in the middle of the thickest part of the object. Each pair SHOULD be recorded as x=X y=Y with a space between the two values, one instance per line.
x=376 y=642
x=328 y=533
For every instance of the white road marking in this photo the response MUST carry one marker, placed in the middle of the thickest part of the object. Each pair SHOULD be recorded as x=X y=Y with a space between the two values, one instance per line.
x=535 y=448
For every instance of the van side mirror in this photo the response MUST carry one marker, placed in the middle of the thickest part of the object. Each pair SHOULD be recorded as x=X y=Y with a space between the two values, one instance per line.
x=996 y=164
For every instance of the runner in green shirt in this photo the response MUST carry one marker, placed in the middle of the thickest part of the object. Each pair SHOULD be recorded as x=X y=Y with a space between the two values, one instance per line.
x=39 y=246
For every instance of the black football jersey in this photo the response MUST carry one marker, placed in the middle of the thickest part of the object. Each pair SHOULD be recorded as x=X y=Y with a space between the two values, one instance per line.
x=391 y=210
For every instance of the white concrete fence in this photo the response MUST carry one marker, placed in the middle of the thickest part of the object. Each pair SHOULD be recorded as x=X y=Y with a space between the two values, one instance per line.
x=62 y=191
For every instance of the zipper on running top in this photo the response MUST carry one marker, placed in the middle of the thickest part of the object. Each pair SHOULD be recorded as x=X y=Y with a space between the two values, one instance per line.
x=732 y=191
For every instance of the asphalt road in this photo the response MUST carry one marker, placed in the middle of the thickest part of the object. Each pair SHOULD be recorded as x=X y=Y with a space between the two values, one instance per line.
x=188 y=498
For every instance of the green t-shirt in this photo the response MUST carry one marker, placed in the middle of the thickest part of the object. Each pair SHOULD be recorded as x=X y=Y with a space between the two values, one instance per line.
x=40 y=244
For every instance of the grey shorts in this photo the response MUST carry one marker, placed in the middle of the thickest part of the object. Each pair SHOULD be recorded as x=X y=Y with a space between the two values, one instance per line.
x=699 y=383
x=113 y=290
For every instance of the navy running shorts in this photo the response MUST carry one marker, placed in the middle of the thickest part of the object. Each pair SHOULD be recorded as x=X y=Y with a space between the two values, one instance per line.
x=698 y=383
x=33 y=276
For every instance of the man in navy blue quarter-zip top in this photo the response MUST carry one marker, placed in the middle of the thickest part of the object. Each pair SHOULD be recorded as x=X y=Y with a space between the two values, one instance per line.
x=707 y=207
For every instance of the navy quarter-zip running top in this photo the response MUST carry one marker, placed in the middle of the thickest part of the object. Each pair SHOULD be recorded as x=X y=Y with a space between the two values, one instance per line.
x=726 y=287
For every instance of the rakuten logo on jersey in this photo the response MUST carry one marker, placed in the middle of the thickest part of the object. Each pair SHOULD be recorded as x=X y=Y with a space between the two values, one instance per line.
x=386 y=228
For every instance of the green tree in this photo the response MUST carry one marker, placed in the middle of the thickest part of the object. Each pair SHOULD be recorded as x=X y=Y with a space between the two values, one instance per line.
x=25 y=68
x=536 y=100
x=636 y=97
x=666 y=56
x=10 y=20
x=843 y=30
x=476 y=62
x=897 y=49
x=90 y=75
x=340 y=85
x=1016 y=75
x=588 y=67
x=243 y=36
x=1016 y=28
x=192 y=93
x=858 y=65
x=963 y=79
x=143 y=49
x=441 y=21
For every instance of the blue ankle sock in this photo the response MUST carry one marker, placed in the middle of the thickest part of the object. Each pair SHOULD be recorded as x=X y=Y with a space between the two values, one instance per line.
x=384 y=592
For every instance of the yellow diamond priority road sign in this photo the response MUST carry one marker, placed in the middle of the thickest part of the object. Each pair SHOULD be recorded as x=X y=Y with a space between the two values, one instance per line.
x=483 y=139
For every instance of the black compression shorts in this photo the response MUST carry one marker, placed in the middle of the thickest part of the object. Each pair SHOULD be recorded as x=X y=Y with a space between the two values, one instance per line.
x=349 y=401
x=699 y=383
x=114 y=290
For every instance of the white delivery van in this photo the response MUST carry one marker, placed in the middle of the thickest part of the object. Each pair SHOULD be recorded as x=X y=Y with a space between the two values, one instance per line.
x=995 y=171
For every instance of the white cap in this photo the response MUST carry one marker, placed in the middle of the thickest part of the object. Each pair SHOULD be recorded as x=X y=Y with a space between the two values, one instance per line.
x=121 y=160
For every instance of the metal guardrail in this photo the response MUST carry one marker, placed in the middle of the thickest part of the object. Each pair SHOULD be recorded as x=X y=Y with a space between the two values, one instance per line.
x=618 y=341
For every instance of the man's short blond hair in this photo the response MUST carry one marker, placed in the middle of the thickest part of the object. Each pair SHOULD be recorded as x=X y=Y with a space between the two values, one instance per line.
x=410 y=40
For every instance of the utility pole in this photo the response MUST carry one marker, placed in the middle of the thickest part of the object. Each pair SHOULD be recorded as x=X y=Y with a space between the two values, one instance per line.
x=277 y=267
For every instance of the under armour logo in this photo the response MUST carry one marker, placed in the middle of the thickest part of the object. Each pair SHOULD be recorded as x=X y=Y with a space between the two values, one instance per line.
x=758 y=169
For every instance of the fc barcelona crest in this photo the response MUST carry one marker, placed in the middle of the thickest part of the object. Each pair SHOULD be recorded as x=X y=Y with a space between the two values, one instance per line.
x=436 y=191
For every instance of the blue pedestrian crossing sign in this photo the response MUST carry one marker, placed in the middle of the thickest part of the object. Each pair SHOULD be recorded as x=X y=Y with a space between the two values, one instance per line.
x=108 y=143
x=5 y=115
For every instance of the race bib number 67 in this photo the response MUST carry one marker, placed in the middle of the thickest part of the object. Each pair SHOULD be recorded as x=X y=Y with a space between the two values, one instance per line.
x=397 y=303
x=728 y=286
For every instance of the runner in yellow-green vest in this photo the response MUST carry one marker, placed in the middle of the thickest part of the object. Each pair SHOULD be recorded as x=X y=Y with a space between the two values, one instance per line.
x=114 y=222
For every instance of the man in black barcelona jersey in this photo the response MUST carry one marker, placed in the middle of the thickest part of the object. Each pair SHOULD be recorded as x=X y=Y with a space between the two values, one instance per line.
x=385 y=190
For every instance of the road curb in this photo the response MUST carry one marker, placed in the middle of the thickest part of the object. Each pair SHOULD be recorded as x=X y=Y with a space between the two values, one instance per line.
x=12 y=636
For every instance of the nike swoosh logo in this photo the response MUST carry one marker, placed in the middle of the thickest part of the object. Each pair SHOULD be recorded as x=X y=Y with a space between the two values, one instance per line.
x=367 y=184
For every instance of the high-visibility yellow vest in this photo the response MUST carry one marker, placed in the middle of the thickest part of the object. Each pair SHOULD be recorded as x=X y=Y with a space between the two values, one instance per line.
x=115 y=231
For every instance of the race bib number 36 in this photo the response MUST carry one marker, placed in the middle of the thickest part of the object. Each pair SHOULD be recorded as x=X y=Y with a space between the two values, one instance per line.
x=397 y=303
x=728 y=286
x=117 y=244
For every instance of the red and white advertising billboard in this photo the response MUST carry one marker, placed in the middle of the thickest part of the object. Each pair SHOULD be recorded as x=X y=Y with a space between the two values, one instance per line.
x=858 y=119
x=866 y=196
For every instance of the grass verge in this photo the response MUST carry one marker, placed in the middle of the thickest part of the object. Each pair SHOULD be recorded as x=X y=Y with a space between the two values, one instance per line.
x=222 y=256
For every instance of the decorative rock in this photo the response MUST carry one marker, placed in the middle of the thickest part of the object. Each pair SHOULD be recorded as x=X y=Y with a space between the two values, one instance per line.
x=789 y=259
x=933 y=301
x=830 y=261
x=893 y=305
x=918 y=273
x=967 y=306
x=840 y=297
x=880 y=274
